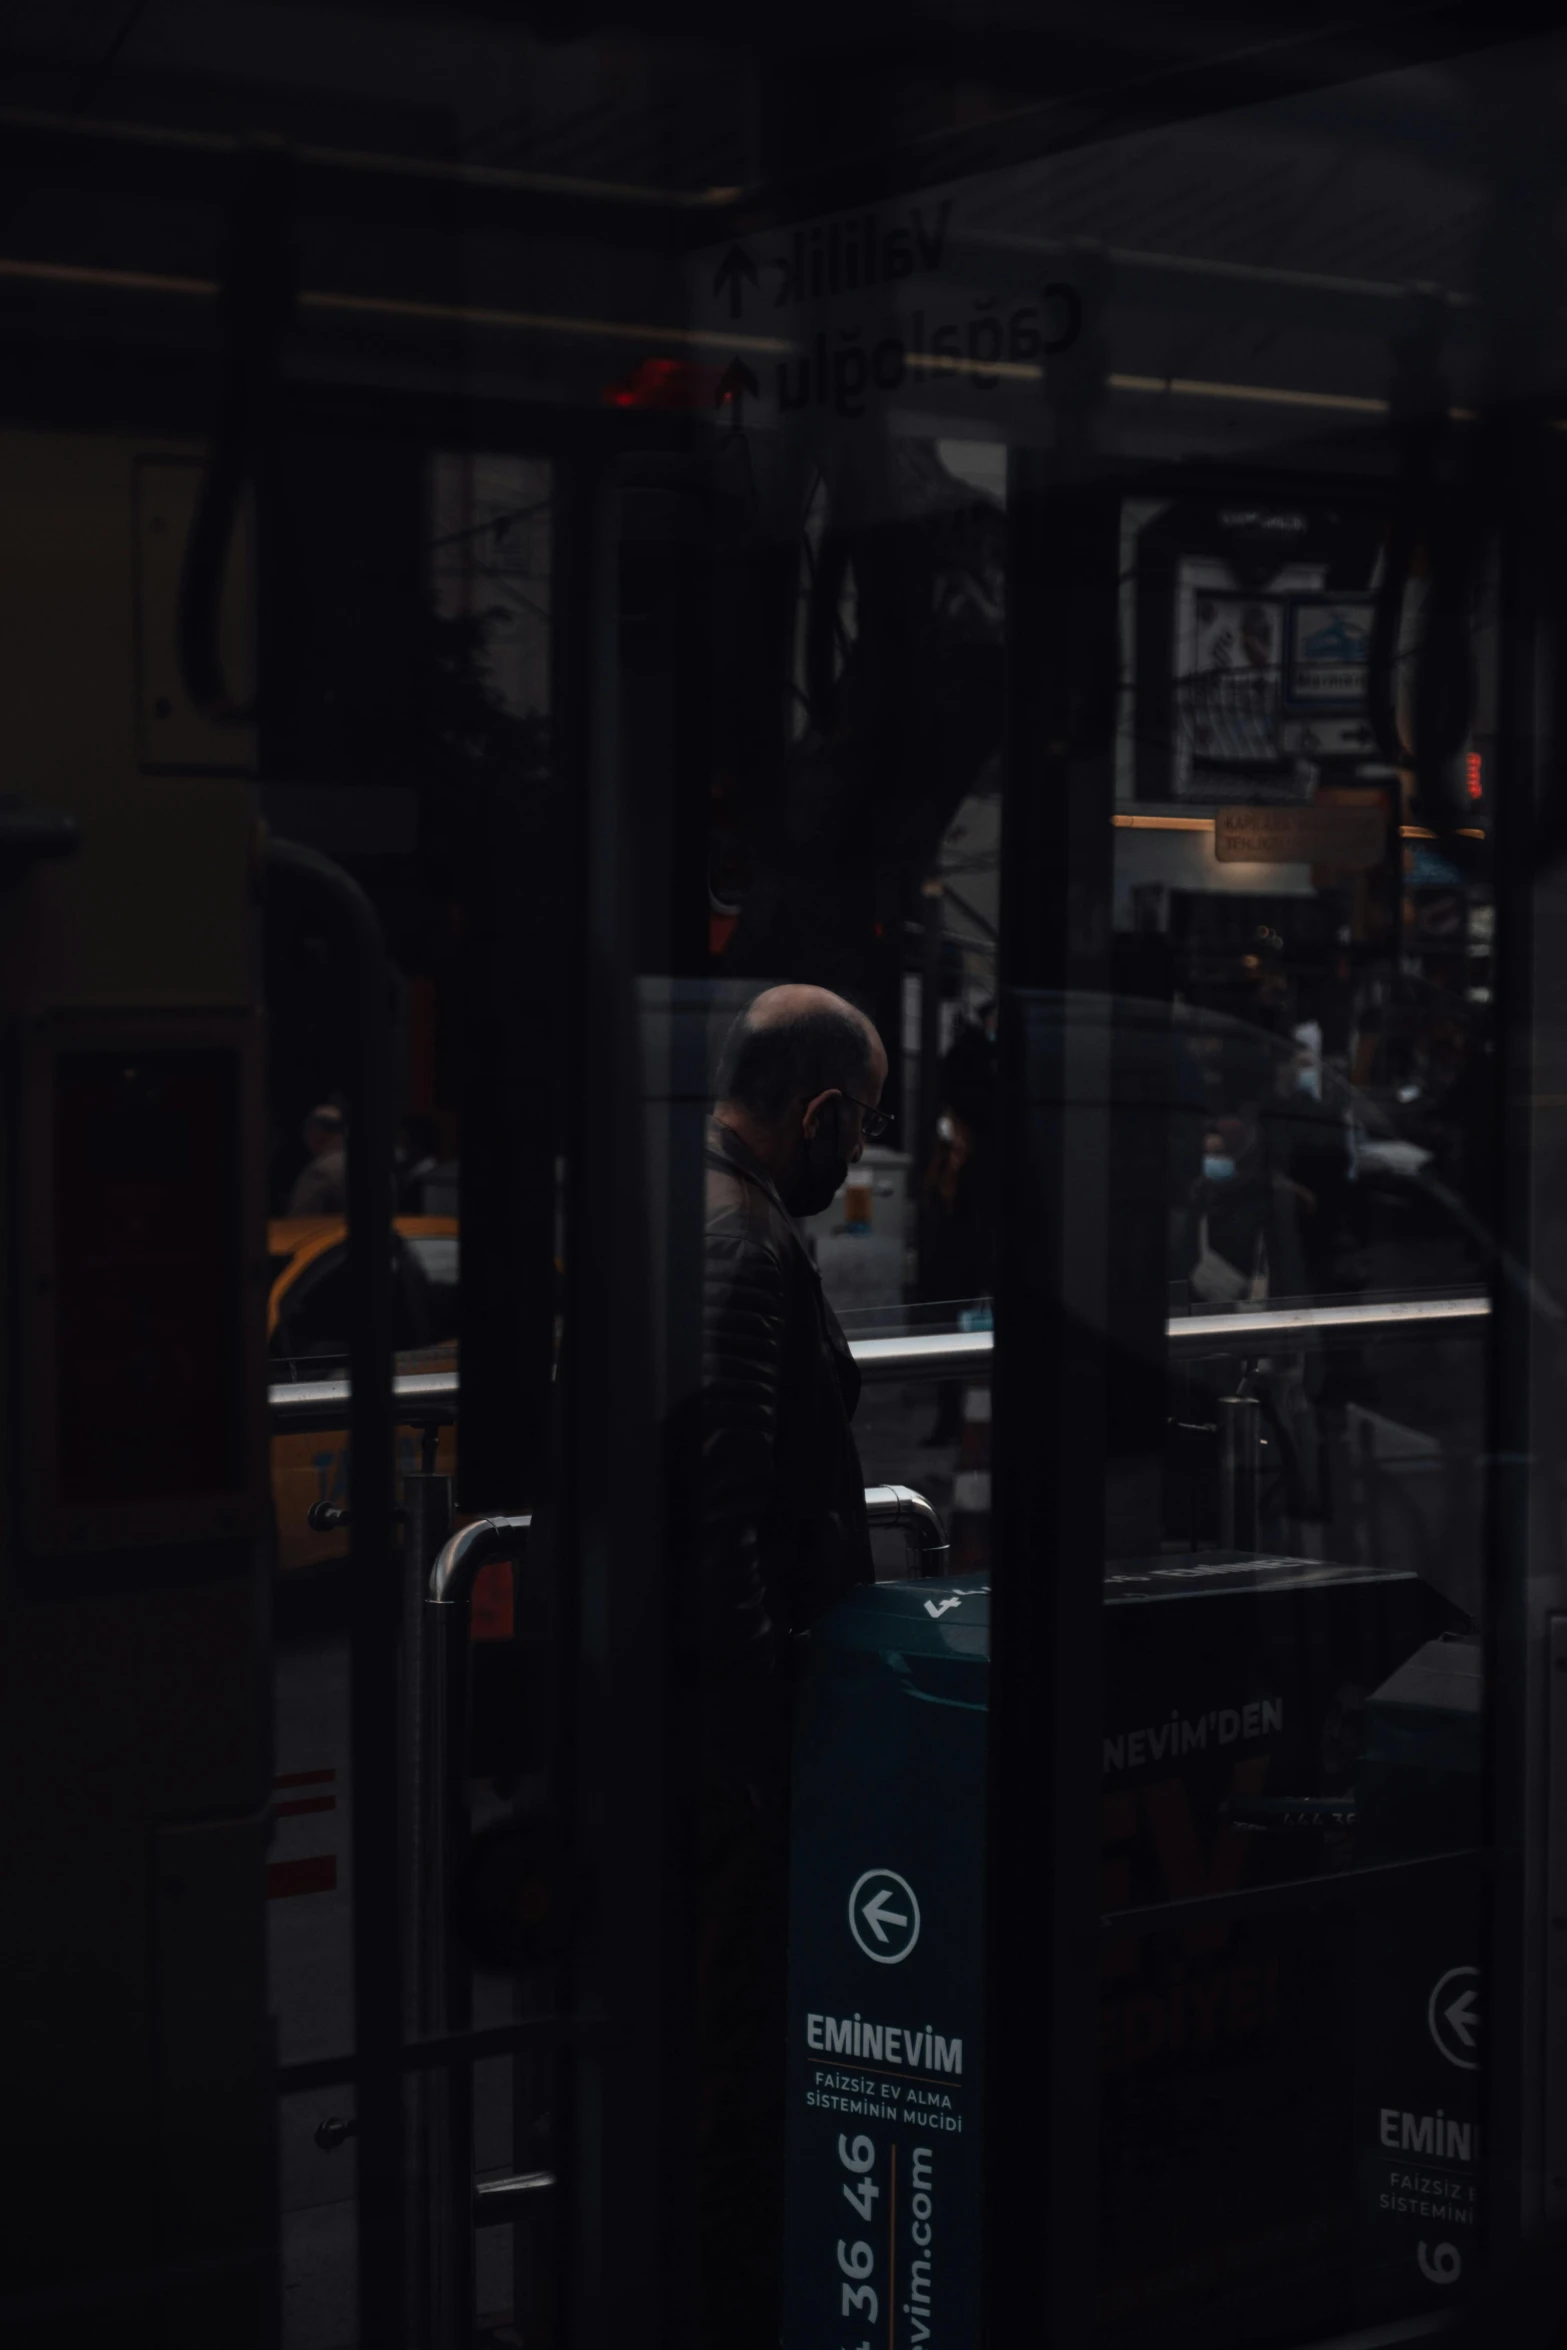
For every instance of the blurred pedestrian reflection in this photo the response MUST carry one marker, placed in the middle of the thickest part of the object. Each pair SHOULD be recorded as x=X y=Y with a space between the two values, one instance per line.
x=958 y=1221
x=321 y=1187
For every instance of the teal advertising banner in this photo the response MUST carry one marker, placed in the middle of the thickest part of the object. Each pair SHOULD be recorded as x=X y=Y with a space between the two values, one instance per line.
x=886 y=1973
x=1238 y=2113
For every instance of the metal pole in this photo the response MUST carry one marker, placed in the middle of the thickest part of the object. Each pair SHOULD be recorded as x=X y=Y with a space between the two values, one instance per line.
x=1517 y=488
x=1240 y=1456
x=450 y=2120
x=932 y=911
x=1051 y=1464
x=447 y=1998
x=427 y=1501
x=375 y=1633
x=427 y=1504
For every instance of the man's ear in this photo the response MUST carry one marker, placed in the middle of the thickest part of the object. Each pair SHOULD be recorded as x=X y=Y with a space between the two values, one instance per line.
x=811 y=1122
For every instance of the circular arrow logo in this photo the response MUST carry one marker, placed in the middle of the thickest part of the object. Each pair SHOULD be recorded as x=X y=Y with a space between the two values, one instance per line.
x=884 y=1916
x=1453 y=2014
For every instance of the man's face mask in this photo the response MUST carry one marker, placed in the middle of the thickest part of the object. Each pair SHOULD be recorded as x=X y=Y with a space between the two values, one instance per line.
x=1218 y=1166
x=823 y=1166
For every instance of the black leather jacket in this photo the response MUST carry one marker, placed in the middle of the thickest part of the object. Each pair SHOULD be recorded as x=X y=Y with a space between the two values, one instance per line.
x=782 y=1510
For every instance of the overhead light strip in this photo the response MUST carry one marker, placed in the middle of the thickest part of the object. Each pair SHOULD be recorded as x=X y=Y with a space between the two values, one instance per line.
x=418 y=167
x=650 y=336
x=1140 y=823
x=1306 y=281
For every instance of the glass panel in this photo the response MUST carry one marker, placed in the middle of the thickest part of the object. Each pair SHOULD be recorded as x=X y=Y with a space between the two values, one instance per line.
x=434 y=1259
x=313 y=1314
x=1279 y=688
x=997 y=1778
x=1251 y=1237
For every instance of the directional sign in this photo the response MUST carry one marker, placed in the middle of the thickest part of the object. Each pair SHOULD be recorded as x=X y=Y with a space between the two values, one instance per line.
x=839 y=316
x=884 y=1916
x=733 y=274
x=733 y=386
x=1453 y=2015
x=848 y=256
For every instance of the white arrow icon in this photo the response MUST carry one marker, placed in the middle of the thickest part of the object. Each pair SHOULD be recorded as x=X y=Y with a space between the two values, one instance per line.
x=1464 y=2018
x=879 y=1917
x=1453 y=2016
x=939 y=1607
x=882 y=1905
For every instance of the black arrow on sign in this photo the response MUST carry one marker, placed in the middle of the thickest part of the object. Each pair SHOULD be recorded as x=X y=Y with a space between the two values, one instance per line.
x=733 y=385
x=735 y=266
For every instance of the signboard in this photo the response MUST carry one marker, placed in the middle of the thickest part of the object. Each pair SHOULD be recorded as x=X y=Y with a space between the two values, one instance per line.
x=1426 y=868
x=886 y=1975
x=1350 y=839
x=1233 y=683
x=832 y=318
x=1440 y=917
x=1267 y=683
x=1226 y=682
x=1327 y=738
x=1226 y=2043
x=1421 y=1997
x=1329 y=650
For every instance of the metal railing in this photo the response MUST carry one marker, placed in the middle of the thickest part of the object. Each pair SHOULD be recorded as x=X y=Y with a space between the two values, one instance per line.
x=441 y=1569
x=438 y=1836
x=923 y=1531
x=430 y=1398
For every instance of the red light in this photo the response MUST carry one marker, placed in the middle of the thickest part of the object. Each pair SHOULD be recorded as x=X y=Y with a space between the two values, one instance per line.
x=1474 y=775
x=665 y=384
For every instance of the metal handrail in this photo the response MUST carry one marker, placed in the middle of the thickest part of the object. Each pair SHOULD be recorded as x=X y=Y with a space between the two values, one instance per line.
x=926 y=1536
x=458 y=2200
x=935 y=1354
x=424 y=1399
x=461 y=1556
x=448 y=1592
x=442 y=1835
x=1298 y=1329
x=497 y=2201
x=464 y=1554
x=430 y=1398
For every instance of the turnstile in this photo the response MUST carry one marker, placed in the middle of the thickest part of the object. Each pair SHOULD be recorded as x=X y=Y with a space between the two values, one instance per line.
x=1276 y=1891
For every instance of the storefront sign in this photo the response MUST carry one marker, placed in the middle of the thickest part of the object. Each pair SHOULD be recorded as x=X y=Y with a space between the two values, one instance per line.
x=1352 y=839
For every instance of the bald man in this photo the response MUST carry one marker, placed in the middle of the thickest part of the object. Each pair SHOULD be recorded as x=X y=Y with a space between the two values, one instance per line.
x=783 y=1536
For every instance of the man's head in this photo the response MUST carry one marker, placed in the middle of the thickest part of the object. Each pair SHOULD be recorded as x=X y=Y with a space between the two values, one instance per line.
x=800 y=1068
x=324 y=1129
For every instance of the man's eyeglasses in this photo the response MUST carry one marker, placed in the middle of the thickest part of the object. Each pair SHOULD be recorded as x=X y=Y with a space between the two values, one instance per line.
x=874 y=1124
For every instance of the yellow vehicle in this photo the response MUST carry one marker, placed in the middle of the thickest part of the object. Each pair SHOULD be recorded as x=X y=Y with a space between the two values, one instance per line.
x=307 y=1324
